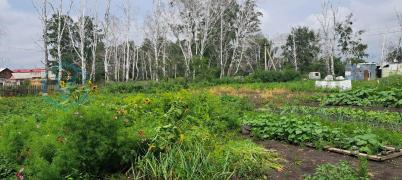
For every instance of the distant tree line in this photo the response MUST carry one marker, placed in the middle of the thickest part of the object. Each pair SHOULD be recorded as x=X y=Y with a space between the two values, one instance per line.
x=191 y=39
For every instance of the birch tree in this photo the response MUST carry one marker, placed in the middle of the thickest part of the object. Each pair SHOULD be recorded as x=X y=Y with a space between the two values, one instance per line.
x=192 y=27
x=62 y=23
x=127 y=59
x=80 y=41
x=42 y=9
x=226 y=8
x=245 y=26
x=94 y=42
x=156 y=32
x=107 y=37
x=327 y=21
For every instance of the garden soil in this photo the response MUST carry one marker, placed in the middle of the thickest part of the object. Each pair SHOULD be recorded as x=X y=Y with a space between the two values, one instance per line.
x=300 y=161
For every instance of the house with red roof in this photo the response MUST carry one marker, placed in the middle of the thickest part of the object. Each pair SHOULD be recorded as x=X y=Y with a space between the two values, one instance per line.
x=34 y=76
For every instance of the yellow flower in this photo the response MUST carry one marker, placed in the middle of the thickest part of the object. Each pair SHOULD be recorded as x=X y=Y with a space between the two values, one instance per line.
x=94 y=88
x=151 y=147
x=62 y=84
x=181 y=139
x=147 y=101
x=90 y=82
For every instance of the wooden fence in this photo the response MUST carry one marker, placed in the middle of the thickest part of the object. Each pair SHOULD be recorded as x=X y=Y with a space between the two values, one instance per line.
x=24 y=90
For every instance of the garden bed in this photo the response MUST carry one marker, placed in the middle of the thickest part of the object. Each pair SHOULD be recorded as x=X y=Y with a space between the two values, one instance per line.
x=299 y=161
x=387 y=154
x=347 y=138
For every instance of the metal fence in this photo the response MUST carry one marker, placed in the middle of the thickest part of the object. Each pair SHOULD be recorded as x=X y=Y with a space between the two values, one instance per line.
x=24 y=90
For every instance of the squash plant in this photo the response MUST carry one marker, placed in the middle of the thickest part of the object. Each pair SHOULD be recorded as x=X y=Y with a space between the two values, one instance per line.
x=302 y=130
x=365 y=97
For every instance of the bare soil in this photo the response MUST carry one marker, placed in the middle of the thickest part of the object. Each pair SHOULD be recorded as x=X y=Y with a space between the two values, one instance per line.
x=300 y=161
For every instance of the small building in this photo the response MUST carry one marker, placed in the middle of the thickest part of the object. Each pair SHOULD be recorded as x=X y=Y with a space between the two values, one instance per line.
x=314 y=75
x=361 y=71
x=5 y=76
x=33 y=76
x=391 y=69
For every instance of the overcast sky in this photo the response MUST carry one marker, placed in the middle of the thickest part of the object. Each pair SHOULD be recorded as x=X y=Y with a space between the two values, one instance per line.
x=20 y=27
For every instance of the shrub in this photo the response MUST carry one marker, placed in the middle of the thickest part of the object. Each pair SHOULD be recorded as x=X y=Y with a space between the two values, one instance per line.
x=92 y=135
x=153 y=133
x=339 y=171
x=81 y=143
x=274 y=76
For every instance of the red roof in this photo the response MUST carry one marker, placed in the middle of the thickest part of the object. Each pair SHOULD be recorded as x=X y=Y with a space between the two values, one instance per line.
x=29 y=70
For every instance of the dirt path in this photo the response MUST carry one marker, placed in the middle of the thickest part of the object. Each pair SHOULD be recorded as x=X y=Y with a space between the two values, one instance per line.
x=300 y=161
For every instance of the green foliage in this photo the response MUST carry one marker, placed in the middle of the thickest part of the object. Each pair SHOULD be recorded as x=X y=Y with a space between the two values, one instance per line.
x=365 y=97
x=182 y=162
x=154 y=134
x=172 y=85
x=339 y=171
x=92 y=136
x=390 y=82
x=146 y=86
x=307 y=48
x=362 y=170
x=394 y=54
x=290 y=129
x=365 y=142
x=274 y=76
x=198 y=160
x=203 y=72
x=303 y=130
x=351 y=43
x=376 y=119
x=7 y=167
x=246 y=159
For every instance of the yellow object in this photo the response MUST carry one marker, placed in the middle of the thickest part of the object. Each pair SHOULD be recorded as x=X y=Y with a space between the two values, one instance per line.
x=62 y=84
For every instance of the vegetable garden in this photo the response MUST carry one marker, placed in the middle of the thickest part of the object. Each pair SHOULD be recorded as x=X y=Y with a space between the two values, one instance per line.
x=180 y=130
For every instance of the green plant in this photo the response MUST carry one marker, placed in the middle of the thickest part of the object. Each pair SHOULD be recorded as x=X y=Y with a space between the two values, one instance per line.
x=113 y=132
x=365 y=97
x=274 y=76
x=366 y=142
x=7 y=167
x=375 y=119
x=246 y=159
x=339 y=171
x=362 y=169
x=192 y=161
x=308 y=129
x=388 y=83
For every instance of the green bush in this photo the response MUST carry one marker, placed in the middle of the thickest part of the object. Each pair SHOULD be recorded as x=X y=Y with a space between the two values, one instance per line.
x=274 y=76
x=338 y=171
x=92 y=136
x=82 y=143
x=153 y=133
